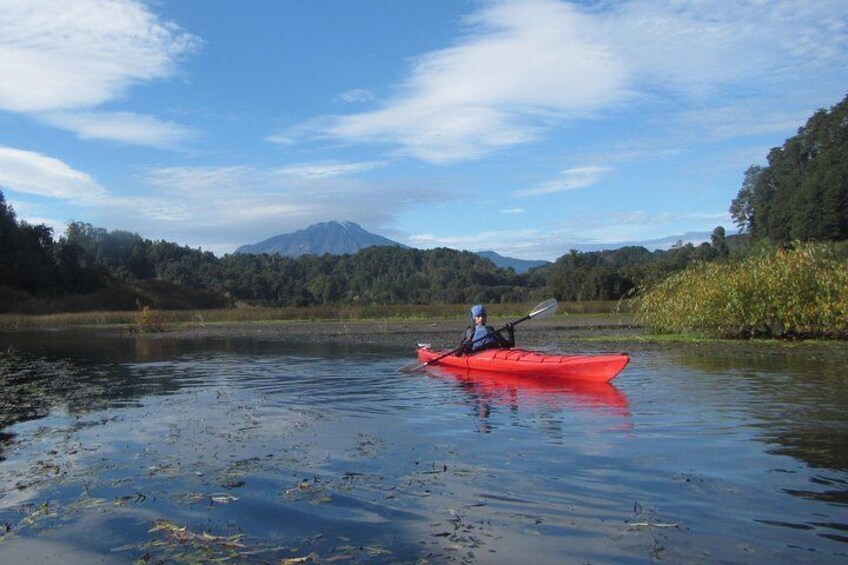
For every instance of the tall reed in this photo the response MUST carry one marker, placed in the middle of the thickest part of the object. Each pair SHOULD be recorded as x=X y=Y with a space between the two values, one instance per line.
x=801 y=291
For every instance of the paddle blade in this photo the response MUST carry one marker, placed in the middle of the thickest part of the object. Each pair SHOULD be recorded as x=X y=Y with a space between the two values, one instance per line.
x=411 y=367
x=544 y=310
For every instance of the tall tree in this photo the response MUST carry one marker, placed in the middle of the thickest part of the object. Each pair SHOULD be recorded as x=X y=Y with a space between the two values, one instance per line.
x=803 y=192
x=718 y=241
x=8 y=230
x=26 y=253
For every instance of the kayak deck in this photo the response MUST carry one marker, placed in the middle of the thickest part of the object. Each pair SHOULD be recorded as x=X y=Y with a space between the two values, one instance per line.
x=597 y=368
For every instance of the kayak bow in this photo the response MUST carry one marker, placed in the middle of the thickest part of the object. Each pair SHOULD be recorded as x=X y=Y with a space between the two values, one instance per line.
x=597 y=368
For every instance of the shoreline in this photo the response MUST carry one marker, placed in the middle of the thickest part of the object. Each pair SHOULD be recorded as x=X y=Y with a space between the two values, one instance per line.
x=571 y=333
x=389 y=332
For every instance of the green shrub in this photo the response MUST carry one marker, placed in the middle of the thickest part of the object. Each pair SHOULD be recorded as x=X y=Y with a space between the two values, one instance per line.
x=800 y=291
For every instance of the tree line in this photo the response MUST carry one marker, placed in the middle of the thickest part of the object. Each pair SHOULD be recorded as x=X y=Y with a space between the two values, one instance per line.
x=87 y=259
x=802 y=194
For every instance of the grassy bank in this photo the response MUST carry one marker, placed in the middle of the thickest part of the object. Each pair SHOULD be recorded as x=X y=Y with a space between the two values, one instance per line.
x=15 y=322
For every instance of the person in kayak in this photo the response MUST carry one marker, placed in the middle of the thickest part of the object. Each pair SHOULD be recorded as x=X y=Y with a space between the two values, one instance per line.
x=480 y=336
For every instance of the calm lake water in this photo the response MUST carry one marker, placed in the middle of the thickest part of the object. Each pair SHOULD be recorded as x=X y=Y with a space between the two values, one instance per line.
x=255 y=451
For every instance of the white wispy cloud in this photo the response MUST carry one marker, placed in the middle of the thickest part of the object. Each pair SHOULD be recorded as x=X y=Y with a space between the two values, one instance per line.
x=519 y=66
x=639 y=225
x=57 y=58
x=201 y=179
x=479 y=241
x=525 y=67
x=248 y=203
x=126 y=127
x=589 y=232
x=524 y=244
x=29 y=172
x=357 y=95
x=738 y=120
x=617 y=152
x=321 y=170
x=194 y=179
x=569 y=179
x=214 y=205
x=700 y=48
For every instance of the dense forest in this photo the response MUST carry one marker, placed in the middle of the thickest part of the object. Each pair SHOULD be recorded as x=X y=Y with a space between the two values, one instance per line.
x=87 y=260
x=802 y=194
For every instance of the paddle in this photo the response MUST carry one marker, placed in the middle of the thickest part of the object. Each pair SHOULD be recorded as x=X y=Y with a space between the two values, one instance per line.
x=543 y=310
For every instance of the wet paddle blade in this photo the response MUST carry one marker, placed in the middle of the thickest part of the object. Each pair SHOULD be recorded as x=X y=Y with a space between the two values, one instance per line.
x=412 y=367
x=544 y=310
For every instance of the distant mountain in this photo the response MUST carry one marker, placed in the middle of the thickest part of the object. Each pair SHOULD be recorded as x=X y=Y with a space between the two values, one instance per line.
x=518 y=265
x=335 y=238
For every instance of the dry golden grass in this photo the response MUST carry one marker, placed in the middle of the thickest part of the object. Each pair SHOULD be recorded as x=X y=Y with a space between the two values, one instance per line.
x=168 y=318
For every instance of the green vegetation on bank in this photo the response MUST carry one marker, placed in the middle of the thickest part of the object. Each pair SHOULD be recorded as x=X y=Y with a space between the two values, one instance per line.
x=795 y=292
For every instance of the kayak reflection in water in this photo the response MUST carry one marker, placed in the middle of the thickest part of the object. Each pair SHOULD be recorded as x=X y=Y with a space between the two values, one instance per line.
x=480 y=336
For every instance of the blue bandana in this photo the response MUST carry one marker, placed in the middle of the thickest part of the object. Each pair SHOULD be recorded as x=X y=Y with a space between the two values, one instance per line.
x=478 y=310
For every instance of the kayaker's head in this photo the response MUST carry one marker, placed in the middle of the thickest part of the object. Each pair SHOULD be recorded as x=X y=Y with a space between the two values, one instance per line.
x=478 y=314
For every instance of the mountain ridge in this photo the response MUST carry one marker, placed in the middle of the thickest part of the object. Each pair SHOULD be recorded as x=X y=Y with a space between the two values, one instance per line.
x=348 y=238
x=345 y=237
x=520 y=266
x=335 y=238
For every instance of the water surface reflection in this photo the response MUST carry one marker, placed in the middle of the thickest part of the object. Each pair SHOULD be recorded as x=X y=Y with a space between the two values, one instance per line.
x=173 y=450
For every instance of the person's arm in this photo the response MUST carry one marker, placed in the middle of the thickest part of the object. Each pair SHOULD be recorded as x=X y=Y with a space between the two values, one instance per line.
x=465 y=344
x=504 y=342
x=510 y=335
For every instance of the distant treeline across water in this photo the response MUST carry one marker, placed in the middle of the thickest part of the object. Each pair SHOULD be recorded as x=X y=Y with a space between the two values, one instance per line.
x=92 y=268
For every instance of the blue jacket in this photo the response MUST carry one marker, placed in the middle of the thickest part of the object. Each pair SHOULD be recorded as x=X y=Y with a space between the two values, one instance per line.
x=478 y=338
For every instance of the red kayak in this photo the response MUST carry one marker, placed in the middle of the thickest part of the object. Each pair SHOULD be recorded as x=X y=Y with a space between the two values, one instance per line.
x=597 y=368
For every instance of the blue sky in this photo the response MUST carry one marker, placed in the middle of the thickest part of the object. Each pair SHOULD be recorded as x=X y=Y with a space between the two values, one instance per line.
x=527 y=127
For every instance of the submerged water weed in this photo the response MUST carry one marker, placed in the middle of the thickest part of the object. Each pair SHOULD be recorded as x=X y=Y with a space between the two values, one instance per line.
x=795 y=292
x=39 y=518
x=191 y=547
x=174 y=543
